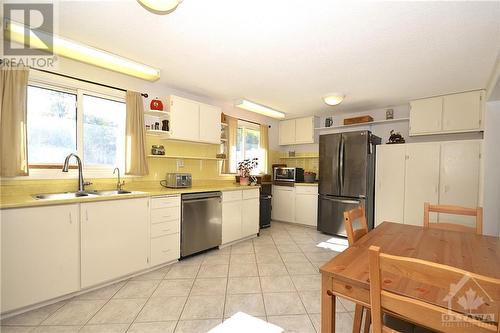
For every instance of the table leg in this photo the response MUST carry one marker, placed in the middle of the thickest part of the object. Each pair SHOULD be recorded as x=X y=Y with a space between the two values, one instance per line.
x=358 y=317
x=327 y=305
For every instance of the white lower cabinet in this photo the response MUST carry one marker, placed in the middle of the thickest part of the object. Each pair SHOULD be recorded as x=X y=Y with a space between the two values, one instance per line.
x=297 y=204
x=409 y=175
x=40 y=254
x=306 y=205
x=283 y=203
x=165 y=229
x=114 y=239
x=240 y=214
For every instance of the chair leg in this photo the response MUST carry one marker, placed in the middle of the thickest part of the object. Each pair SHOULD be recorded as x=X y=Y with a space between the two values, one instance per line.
x=368 y=320
x=358 y=317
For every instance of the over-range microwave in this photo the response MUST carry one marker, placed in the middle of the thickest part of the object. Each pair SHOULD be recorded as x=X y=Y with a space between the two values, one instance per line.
x=286 y=174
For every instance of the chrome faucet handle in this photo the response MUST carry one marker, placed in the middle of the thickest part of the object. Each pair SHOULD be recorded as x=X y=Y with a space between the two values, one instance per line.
x=120 y=185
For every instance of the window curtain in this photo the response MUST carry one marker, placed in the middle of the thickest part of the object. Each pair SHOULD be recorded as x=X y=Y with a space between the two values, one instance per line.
x=135 y=146
x=232 y=133
x=13 y=133
x=264 y=147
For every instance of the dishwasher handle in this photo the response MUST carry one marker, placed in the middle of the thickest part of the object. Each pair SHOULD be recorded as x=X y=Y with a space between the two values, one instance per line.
x=202 y=199
x=202 y=195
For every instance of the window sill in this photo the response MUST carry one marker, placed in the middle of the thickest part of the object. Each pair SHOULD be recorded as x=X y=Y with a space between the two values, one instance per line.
x=57 y=174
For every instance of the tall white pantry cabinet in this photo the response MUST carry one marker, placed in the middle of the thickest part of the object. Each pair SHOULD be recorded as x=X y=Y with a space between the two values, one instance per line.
x=407 y=175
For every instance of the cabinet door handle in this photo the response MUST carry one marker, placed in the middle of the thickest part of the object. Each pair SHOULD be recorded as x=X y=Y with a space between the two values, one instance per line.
x=86 y=215
x=167 y=216
x=70 y=218
x=165 y=251
x=166 y=230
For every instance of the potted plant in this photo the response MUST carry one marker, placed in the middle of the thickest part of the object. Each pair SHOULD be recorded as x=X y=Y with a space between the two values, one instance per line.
x=244 y=169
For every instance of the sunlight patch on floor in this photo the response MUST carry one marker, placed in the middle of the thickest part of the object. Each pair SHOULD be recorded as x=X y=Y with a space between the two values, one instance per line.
x=243 y=323
x=337 y=244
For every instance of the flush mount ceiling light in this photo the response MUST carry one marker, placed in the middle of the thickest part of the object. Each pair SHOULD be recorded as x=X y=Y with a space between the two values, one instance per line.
x=160 y=7
x=334 y=98
x=81 y=52
x=257 y=108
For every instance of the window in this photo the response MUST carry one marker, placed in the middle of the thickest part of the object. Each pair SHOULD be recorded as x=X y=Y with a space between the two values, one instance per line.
x=51 y=123
x=61 y=122
x=248 y=146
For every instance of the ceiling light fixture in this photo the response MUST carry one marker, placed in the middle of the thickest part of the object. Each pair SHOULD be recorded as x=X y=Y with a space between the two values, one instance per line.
x=161 y=7
x=81 y=52
x=257 y=108
x=334 y=99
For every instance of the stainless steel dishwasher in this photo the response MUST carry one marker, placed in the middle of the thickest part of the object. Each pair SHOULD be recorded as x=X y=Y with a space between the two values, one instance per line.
x=201 y=226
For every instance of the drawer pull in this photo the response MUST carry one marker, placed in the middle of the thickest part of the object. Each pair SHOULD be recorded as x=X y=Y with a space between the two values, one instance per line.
x=167 y=216
x=166 y=230
x=165 y=251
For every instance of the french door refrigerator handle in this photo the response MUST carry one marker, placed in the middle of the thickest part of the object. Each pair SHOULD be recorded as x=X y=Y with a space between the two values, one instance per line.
x=341 y=163
x=341 y=200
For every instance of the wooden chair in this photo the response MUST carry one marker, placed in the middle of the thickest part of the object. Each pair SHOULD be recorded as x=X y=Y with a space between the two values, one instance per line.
x=422 y=312
x=352 y=236
x=455 y=210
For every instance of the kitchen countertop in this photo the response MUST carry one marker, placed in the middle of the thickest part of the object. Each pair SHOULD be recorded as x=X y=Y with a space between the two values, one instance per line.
x=306 y=184
x=141 y=190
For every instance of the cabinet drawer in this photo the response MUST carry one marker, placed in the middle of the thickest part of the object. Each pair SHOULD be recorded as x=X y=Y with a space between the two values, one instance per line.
x=231 y=196
x=165 y=248
x=306 y=190
x=165 y=214
x=165 y=228
x=250 y=194
x=166 y=202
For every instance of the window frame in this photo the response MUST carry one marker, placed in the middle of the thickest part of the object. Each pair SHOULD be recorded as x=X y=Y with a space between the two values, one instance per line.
x=63 y=84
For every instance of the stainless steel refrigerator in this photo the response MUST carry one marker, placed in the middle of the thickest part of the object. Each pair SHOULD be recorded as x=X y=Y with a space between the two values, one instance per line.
x=346 y=178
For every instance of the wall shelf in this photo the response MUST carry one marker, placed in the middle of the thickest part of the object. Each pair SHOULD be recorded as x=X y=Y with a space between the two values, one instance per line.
x=155 y=113
x=186 y=157
x=376 y=122
x=297 y=157
x=223 y=124
x=158 y=133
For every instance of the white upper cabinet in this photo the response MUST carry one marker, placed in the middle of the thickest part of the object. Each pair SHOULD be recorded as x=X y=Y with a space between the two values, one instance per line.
x=426 y=115
x=390 y=183
x=422 y=180
x=455 y=113
x=297 y=131
x=287 y=132
x=40 y=254
x=194 y=121
x=462 y=111
x=210 y=123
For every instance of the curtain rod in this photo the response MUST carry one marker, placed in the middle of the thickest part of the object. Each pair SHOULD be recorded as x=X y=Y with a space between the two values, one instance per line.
x=252 y=122
x=83 y=80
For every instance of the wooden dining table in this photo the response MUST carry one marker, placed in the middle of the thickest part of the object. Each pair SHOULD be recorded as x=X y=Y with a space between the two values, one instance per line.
x=346 y=275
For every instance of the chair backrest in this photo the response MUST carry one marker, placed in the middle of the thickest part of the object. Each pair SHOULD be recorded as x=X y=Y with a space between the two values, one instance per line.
x=455 y=210
x=425 y=273
x=349 y=218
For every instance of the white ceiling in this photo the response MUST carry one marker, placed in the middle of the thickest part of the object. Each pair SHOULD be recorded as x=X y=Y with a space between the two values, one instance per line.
x=288 y=53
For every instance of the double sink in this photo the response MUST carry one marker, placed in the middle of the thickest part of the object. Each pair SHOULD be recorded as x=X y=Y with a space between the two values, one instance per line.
x=72 y=195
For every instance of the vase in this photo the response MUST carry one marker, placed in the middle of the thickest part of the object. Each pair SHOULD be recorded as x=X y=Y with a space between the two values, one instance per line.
x=244 y=181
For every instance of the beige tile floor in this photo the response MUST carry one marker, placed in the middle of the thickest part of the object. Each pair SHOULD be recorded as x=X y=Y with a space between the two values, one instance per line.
x=274 y=277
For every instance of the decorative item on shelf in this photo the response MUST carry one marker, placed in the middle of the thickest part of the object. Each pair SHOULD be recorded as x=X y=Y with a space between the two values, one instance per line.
x=389 y=114
x=309 y=177
x=244 y=169
x=148 y=127
x=291 y=153
x=358 y=120
x=156 y=104
x=157 y=150
x=222 y=156
x=328 y=122
x=222 y=117
x=165 y=125
x=157 y=126
x=395 y=138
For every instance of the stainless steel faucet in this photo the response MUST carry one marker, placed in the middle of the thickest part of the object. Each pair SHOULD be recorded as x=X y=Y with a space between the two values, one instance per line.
x=81 y=183
x=119 y=184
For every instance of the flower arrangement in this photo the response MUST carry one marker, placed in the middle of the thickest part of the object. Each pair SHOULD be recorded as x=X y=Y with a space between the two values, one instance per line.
x=244 y=169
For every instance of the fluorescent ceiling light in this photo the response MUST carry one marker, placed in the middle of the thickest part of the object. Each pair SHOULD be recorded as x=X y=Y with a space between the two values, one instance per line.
x=334 y=99
x=160 y=6
x=257 y=108
x=84 y=53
